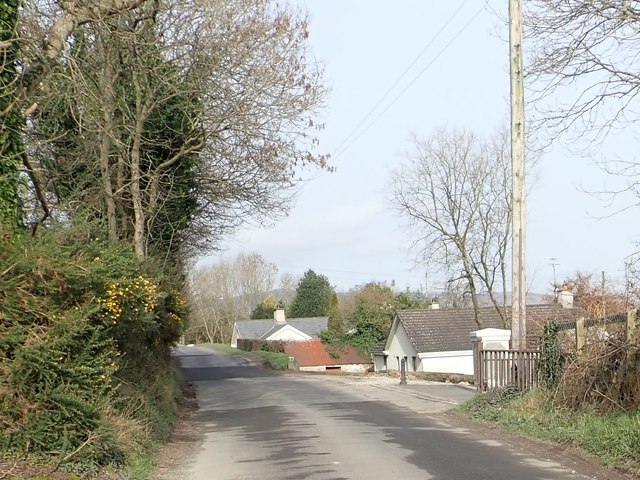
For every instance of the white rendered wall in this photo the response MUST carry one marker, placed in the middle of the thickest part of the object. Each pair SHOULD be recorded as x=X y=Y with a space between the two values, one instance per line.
x=234 y=337
x=315 y=368
x=356 y=368
x=378 y=363
x=458 y=362
x=400 y=346
x=351 y=368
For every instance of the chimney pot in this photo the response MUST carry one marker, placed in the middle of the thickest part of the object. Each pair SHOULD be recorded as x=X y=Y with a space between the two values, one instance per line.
x=565 y=298
x=279 y=316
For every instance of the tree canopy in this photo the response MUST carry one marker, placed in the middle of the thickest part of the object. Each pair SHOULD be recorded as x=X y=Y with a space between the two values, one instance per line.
x=315 y=297
x=168 y=123
x=454 y=191
x=225 y=292
x=266 y=308
x=364 y=315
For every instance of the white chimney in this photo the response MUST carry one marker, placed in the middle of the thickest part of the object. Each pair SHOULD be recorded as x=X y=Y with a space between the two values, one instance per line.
x=278 y=316
x=565 y=297
x=434 y=305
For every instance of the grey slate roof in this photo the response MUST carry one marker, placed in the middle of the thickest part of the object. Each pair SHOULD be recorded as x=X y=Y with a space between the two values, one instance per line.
x=378 y=348
x=259 y=329
x=448 y=330
x=444 y=330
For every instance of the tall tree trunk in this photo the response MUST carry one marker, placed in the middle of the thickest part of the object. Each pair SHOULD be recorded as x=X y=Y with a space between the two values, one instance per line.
x=105 y=141
x=119 y=199
x=468 y=273
x=136 y=194
x=142 y=109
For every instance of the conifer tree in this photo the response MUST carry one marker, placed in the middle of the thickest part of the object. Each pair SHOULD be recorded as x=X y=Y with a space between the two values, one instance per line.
x=315 y=297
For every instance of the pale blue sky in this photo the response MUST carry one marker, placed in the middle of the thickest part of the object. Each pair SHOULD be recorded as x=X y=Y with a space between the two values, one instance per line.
x=342 y=225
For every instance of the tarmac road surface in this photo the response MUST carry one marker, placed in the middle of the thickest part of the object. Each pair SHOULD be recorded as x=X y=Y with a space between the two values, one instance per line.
x=253 y=423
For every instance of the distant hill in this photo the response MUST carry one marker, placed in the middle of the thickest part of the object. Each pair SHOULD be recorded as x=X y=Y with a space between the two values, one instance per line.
x=532 y=298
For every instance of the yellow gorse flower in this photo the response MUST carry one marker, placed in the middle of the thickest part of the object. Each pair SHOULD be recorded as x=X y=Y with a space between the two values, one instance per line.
x=120 y=295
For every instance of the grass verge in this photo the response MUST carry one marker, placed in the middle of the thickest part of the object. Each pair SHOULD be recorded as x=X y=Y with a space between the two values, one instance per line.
x=277 y=361
x=614 y=439
x=222 y=348
x=159 y=405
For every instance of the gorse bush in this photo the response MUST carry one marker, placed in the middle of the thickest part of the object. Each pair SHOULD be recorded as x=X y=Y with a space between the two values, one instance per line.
x=81 y=321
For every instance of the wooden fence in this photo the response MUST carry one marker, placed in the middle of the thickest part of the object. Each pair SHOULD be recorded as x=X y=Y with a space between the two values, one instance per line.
x=519 y=368
x=581 y=325
x=507 y=368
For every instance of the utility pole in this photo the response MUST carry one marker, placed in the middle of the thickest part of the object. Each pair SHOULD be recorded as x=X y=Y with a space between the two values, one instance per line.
x=426 y=282
x=518 y=220
x=554 y=264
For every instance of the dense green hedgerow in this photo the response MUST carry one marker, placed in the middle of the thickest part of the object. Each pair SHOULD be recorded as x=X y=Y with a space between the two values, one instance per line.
x=85 y=336
x=277 y=361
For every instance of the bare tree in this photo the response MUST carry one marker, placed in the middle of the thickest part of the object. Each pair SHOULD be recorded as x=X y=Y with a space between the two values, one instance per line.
x=287 y=287
x=632 y=280
x=454 y=190
x=40 y=35
x=455 y=295
x=228 y=291
x=596 y=296
x=582 y=66
x=185 y=119
x=584 y=80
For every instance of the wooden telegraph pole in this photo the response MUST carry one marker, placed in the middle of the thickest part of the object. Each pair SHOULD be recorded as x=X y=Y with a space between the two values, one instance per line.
x=518 y=219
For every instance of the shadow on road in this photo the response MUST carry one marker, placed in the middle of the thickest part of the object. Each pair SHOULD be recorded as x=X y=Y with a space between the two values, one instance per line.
x=198 y=374
x=287 y=442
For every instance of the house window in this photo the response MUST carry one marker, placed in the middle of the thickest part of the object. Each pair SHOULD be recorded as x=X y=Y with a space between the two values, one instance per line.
x=414 y=363
x=398 y=361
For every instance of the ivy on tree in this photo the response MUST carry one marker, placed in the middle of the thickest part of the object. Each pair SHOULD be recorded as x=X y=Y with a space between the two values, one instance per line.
x=10 y=119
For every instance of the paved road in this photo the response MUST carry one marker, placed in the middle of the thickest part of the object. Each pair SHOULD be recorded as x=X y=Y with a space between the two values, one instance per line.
x=257 y=424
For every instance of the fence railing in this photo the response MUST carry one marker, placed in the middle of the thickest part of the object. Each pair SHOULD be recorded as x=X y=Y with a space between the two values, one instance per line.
x=505 y=368
x=581 y=326
x=519 y=368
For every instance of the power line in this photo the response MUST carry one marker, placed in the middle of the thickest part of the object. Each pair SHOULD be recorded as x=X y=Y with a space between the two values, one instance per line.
x=415 y=79
x=399 y=79
x=405 y=274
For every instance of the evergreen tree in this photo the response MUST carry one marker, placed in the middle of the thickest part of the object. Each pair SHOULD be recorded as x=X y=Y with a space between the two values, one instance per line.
x=315 y=297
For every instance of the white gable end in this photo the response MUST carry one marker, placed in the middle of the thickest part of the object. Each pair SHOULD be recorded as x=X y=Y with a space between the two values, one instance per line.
x=234 y=336
x=399 y=346
x=289 y=333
